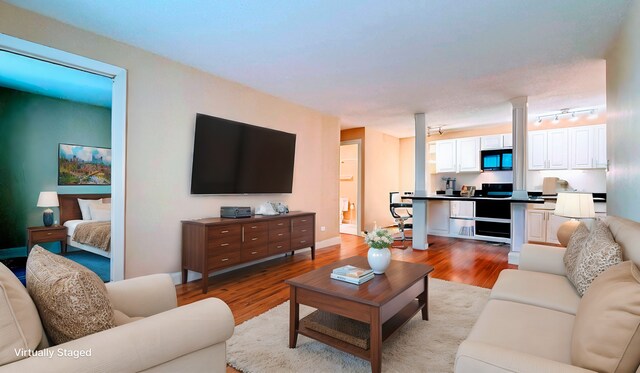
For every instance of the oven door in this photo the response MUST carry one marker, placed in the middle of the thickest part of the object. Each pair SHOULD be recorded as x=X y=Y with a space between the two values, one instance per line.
x=493 y=209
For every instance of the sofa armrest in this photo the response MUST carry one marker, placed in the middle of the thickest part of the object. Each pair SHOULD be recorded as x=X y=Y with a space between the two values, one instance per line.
x=478 y=357
x=143 y=296
x=142 y=344
x=542 y=258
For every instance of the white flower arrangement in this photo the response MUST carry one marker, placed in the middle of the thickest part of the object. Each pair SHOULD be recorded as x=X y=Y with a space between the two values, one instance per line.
x=379 y=239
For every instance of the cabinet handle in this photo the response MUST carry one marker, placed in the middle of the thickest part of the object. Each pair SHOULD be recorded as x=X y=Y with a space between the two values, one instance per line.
x=254 y=227
x=224 y=244
x=280 y=234
x=224 y=232
x=304 y=230
x=279 y=247
x=224 y=259
x=254 y=238
x=303 y=220
x=280 y=224
x=303 y=241
x=254 y=252
x=48 y=233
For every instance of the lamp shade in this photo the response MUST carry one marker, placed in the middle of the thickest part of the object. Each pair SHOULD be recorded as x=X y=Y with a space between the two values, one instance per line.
x=48 y=199
x=575 y=205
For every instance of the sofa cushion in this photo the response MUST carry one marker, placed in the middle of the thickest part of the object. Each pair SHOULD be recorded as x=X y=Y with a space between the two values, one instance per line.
x=71 y=300
x=20 y=327
x=576 y=243
x=599 y=253
x=521 y=327
x=606 y=333
x=537 y=289
x=627 y=235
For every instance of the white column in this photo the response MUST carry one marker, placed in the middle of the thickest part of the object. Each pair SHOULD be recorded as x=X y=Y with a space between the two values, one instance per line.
x=518 y=210
x=420 y=206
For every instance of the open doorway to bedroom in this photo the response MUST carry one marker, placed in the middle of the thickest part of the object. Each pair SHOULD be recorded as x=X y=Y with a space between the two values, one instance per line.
x=61 y=141
x=350 y=187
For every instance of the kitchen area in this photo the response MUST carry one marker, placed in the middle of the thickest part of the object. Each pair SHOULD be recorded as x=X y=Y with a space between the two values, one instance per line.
x=470 y=175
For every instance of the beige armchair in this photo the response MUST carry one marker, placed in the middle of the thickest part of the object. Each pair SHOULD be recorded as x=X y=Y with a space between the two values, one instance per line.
x=161 y=338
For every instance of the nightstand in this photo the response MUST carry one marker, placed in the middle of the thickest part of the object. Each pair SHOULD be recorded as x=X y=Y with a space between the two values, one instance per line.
x=36 y=235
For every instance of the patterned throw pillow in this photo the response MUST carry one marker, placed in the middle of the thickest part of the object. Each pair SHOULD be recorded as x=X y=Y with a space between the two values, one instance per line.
x=576 y=244
x=72 y=301
x=600 y=252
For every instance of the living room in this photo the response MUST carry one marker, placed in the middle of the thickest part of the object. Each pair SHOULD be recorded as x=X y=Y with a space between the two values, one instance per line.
x=163 y=97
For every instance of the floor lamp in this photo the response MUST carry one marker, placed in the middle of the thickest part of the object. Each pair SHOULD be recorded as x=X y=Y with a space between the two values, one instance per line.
x=574 y=206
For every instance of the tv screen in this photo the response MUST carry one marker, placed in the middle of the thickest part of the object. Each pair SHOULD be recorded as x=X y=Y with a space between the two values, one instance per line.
x=237 y=158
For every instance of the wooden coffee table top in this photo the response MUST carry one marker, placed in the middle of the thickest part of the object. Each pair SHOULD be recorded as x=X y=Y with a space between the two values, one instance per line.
x=376 y=292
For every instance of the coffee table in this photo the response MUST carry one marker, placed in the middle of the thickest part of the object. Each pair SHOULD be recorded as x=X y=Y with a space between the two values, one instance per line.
x=385 y=303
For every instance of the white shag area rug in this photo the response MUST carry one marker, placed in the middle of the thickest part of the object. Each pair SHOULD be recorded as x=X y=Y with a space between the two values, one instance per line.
x=261 y=344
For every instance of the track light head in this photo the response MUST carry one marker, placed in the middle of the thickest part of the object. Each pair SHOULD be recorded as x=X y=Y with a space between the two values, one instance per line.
x=555 y=120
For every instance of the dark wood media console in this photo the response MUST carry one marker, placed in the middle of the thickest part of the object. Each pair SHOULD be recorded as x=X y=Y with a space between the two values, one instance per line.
x=216 y=243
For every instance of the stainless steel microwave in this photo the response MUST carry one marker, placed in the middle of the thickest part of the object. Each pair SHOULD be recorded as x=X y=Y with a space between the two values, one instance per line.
x=496 y=160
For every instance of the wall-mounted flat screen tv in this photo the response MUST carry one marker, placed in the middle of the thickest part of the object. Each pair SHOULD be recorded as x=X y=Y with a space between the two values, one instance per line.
x=237 y=158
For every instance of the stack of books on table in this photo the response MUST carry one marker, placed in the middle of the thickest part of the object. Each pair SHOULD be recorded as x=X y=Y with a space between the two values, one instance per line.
x=351 y=274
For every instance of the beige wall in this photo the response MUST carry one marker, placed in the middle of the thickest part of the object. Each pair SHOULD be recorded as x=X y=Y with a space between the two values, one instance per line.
x=382 y=161
x=163 y=99
x=623 y=130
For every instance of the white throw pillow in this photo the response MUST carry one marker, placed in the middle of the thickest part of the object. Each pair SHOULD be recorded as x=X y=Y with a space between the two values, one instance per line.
x=84 y=207
x=100 y=211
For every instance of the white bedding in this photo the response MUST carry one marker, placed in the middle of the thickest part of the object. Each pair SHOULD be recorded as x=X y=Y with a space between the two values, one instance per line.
x=71 y=227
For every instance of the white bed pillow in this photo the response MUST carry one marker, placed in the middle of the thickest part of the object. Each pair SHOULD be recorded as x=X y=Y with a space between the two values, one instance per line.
x=100 y=211
x=84 y=207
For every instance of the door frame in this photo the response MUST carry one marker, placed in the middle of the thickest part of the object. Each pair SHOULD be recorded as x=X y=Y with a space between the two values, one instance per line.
x=118 y=130
x=358 y=185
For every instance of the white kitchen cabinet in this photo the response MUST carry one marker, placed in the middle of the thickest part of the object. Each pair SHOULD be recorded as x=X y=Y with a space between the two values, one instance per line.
x=548 y=150
x=446 y=156
x=491 y=142
x=588 y=147
x=600 y=146
x=458 y=155
x=536 y=225
x=553 y=223
x=438 y=218
x=468 y=154
x=507 y=140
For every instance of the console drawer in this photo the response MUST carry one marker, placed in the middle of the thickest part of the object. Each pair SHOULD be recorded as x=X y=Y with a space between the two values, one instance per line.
x=253 y=239
x=49 y=235
x=301 y=242
x=281 y=234
x=224 y=231
x=279 y=247
x=255 y=227
x=252 y=253
x=225 y=243
x=302 y=230
x=223 y=260
x=302 y=220
x=279 y=224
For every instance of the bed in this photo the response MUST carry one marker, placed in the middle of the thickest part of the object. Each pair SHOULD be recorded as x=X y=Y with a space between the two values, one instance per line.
x=71 y=217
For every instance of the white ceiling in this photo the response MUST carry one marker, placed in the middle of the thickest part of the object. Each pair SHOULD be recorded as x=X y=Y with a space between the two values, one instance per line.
x=377 y=62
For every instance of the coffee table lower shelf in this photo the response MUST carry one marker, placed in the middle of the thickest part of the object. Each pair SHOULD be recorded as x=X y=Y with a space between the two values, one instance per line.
x=388 y=328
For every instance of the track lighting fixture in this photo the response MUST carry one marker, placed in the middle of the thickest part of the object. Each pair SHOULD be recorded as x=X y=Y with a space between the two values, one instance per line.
x=439 y=130
x=566 y=112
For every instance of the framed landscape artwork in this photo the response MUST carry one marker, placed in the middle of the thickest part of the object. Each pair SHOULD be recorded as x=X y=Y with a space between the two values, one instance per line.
x=83 y=165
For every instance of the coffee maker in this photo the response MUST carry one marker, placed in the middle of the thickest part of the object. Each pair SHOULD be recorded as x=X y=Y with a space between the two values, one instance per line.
x=449 y=185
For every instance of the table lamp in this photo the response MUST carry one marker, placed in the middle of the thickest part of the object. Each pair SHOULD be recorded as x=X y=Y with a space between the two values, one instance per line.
x=574 y=206
x=48 y=199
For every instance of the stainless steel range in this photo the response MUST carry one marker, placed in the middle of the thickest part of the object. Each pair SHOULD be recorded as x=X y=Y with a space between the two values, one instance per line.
x=498 y=215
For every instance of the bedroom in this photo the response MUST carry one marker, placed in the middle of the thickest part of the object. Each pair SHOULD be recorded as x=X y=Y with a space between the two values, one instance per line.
x=41 y=108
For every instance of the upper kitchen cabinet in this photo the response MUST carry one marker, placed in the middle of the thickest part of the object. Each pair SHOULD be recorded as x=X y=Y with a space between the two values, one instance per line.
x=588 y=147
x=446 y=156
x=492 y=142
x=548 y=150
x=468 y=151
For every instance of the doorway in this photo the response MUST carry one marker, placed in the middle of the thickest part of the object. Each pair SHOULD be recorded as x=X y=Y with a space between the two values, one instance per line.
x=350 y=187
x=118 y=130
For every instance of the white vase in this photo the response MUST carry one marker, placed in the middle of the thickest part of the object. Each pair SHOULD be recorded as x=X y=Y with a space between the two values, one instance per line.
x=379 y=259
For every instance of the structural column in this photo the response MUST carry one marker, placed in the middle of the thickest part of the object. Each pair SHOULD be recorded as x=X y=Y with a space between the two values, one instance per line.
x=420 y=206
x=518 y=210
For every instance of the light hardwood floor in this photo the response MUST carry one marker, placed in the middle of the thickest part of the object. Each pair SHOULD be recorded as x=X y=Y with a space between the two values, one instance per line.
x=254 y=290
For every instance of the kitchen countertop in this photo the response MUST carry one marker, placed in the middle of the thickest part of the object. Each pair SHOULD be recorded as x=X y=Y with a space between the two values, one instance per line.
x=442 y=197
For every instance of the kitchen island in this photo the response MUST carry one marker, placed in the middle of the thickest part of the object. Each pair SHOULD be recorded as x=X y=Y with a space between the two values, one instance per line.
x=443 y=197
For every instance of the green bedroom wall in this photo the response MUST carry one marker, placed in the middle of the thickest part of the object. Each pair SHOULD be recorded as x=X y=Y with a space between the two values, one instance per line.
x=31 y=127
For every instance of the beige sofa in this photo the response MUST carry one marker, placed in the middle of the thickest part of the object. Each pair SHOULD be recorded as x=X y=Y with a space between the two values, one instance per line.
x=527 y=324
x=166 y=338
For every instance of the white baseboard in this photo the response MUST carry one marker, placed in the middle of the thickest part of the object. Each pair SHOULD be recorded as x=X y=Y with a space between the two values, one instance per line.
x=514 y=257
x=192 y=276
